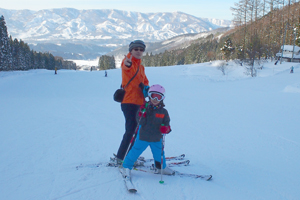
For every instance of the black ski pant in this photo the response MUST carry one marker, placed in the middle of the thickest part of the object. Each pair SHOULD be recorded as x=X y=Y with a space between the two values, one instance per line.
x=129 y=111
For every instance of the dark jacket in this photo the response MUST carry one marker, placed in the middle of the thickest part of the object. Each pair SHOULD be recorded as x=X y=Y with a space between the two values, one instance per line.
x=151 y=122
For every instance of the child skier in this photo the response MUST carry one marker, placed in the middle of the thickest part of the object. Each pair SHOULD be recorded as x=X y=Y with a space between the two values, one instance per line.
x=154 y=121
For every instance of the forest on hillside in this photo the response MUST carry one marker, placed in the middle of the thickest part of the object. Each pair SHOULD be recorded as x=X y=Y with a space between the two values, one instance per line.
x=16 y=55
x=261 y=28
x=262 y=32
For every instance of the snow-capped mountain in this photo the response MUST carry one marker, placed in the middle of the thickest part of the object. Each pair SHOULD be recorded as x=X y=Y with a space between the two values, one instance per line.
x=102 y=27
x=219 y=22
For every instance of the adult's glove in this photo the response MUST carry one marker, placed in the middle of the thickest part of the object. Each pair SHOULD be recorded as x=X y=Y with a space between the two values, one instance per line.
x=165 y=129
x=144 y=89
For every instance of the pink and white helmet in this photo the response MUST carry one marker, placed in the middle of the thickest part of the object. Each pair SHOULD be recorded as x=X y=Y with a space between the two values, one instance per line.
x=157 y=89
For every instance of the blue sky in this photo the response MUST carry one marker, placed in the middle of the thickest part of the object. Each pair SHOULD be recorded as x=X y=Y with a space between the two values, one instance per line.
x=219 y=9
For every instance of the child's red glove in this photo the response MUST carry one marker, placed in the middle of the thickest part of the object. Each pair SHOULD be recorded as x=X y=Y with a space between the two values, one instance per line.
x=142 y=114
x=165 y=129
x=142 y=111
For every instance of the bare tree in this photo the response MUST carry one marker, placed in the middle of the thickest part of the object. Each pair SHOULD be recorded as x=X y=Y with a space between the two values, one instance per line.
x=264 y=7
x=222 y=67
x=237 y=13
x=258 y=9
x=254 y=52
x=271 y=5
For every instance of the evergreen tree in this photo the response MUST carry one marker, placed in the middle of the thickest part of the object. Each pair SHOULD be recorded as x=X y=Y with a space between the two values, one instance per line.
x=15 y=52
x=113 y=63
x=106 y=62
x=151 y=60
x=227 y=49
x=5 y=49
x=146 y=59
x=21 y=55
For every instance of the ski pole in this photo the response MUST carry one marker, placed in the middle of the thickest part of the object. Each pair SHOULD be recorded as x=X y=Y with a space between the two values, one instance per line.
x=162 y=159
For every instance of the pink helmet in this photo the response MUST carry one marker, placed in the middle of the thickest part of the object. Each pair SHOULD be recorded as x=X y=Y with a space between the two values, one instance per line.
x=157 y=89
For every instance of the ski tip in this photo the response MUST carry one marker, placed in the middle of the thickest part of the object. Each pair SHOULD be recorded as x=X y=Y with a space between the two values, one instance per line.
x=209 y=178
x=132 y=190
x=187 y=162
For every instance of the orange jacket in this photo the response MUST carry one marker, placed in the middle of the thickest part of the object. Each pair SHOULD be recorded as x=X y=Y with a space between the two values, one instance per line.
x=133 y=94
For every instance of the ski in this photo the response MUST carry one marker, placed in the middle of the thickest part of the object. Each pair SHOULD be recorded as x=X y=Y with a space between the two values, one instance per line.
x=128 y=183
x=94 y=165
x=177 y=173
x=185 y=163
x=173 y=164
x=180 y=157
x=205 y=177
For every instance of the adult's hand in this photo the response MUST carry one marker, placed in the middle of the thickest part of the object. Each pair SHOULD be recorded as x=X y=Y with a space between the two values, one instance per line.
x=128 y=61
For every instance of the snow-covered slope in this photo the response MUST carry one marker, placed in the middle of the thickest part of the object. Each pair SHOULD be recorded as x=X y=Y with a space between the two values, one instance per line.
x=244 y=131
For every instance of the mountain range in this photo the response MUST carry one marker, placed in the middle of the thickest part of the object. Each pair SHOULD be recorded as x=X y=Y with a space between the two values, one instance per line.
x=87 y=34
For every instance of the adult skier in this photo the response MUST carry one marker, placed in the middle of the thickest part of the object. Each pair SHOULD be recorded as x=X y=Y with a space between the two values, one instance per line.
x=135 y=92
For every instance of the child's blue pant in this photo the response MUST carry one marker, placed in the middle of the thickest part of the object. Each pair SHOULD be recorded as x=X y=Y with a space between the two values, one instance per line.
x=139 y=147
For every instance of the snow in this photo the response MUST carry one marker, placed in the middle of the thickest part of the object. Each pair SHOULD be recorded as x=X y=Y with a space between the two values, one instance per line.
x=291 y=48
x=288 y=52
x=86 y=64
x=242 y=130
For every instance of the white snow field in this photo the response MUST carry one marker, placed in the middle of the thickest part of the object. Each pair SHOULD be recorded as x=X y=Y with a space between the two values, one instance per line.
x=244 y=131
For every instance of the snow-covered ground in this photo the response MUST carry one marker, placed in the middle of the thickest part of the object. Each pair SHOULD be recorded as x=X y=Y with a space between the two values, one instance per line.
x=86 y=64
x=242 y=130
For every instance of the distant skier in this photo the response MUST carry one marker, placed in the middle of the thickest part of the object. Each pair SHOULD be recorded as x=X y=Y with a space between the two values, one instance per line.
x=154 y=121
x=292 y=69
x=105 y=73
x=55 y=70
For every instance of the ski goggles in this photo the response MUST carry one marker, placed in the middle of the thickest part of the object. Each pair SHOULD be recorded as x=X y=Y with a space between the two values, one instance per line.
x=156 y=95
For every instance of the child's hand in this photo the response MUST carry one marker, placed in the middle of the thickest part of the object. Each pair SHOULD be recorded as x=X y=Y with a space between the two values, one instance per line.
x=142 y=114
x=165 y=129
